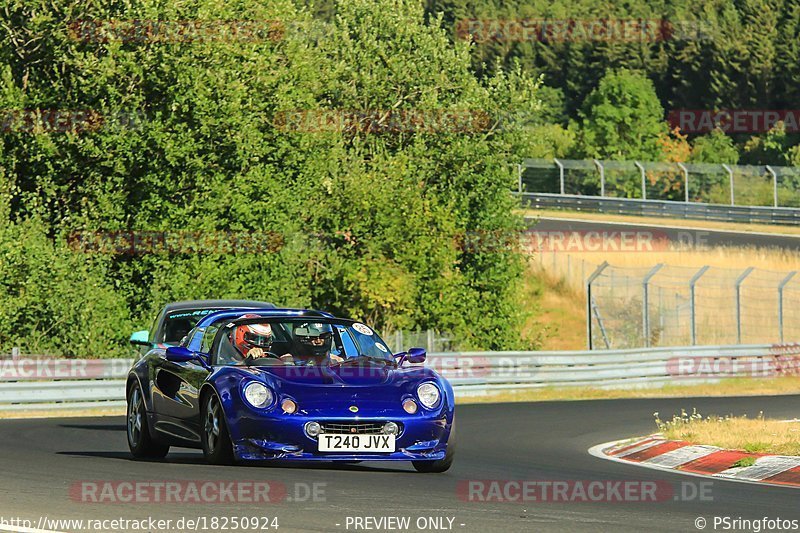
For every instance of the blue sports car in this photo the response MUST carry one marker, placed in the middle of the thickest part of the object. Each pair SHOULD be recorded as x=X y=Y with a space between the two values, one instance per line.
x=298 y=385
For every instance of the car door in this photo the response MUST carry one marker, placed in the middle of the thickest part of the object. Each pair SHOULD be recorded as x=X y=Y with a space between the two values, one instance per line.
x=176 y=395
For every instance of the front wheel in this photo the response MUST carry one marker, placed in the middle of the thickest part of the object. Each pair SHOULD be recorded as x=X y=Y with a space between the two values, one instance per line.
x=140 y=442
x=216 y=441
x=441 y=465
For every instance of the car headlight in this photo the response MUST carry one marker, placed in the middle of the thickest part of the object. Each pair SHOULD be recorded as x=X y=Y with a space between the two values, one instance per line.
x=257 y=394
x=428 y=394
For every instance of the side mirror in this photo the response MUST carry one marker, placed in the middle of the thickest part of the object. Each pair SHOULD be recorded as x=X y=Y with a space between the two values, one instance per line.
x=179 y=354
x=140 y=338
x=416 y=355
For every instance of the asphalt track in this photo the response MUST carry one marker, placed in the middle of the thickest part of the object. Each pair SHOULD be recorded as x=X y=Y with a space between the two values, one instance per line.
x=42 y=459
x=691 y=236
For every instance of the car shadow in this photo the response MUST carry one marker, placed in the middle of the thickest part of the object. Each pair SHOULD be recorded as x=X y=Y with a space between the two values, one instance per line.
x=189 y=458
x=175 y=458
x=95 y=427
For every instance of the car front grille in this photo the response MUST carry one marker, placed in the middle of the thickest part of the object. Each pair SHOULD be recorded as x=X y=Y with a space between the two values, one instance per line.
x=354 y=428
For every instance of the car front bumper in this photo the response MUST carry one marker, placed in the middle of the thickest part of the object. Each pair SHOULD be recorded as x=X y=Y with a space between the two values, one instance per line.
x=273 y=436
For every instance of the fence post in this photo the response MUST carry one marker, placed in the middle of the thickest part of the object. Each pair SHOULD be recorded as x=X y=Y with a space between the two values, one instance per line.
x=15 y=353
x=782 y=284
x=602 y=177
x=685 y=182
x=692 y=309
x=589 y=282
x=430 y=341
x=730 y=177
x=644 y=178
x=645 y=303
x=569 y=267
x=519 y=179
x=560 y=174
x=739 y=282
x=774 y=186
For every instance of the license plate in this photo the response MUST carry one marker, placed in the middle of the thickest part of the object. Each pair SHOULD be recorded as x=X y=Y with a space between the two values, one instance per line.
x=356 y=443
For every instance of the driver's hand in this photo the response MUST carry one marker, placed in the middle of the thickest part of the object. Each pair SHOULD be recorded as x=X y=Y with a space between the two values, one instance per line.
x=255 y=353
x=287 y=358
x=336 y=359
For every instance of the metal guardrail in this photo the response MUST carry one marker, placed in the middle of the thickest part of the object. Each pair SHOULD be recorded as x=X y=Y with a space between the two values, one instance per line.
x=471 y=373
x=663 y=208
x=735 y=185
x=42 y=383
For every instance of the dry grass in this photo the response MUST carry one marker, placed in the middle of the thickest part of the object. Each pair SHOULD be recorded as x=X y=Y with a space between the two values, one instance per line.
x=728 y=387
x=569 y=271
x=558 y=319
x=735 y=433
x=656 y=221
x=63 y=413
x=737 y=258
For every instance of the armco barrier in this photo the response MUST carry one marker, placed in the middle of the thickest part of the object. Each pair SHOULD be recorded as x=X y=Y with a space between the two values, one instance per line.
x=72 y=383
x=662 y=208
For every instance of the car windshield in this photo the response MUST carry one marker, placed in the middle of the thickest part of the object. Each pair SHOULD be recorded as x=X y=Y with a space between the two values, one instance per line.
x=298 y=341
x=178 y=324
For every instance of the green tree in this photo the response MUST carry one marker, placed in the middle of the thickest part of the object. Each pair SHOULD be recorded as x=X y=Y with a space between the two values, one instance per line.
x=622 y=119
x=715 y=147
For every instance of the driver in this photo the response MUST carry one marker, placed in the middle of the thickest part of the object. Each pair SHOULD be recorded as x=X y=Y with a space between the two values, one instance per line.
x=312 y=344
x=253 y=340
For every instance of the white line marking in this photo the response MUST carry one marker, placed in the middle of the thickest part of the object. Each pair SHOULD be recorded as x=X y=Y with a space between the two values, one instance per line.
x=681 y=456
x=640 y=447
x=763 y=468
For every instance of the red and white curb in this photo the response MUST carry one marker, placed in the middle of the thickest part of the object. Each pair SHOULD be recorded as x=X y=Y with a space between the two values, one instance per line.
x=654 y=451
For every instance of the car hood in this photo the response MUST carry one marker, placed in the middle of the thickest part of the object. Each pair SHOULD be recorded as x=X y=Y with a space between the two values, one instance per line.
x=334 y=390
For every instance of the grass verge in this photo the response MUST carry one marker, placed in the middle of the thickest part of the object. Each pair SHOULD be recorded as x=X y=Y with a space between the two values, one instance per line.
x=63 y=413
x=728 y=387
x=757 y=435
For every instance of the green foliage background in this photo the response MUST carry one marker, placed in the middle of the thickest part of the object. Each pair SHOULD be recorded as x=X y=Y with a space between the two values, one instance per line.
x=370 y=222
x=205 y=155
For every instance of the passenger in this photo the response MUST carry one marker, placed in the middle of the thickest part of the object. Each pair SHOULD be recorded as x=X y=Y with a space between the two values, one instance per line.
x=312 y=344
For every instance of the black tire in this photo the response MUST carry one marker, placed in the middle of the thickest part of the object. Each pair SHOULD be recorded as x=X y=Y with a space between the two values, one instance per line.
x=217 y=446
x=140 y=442
x=441 y=465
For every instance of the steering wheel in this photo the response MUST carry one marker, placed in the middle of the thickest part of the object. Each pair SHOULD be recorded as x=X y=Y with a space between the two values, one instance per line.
x=250 y=361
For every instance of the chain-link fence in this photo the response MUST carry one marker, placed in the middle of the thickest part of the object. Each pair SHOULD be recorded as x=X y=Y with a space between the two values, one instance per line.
x=742 y=185
x=431 y=340
x=666 y=305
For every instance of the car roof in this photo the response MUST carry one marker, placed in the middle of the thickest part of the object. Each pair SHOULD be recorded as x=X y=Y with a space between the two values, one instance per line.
x=206 y=304
x=266 y=313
